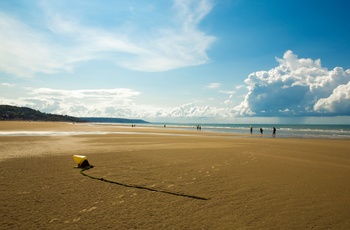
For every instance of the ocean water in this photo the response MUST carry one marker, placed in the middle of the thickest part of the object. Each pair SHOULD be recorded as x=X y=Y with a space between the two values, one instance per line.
x=282 y=130
x=328 y=131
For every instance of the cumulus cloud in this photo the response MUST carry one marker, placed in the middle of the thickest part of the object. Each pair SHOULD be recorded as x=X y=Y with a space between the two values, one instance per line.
x=190 y=110
x=297 y=87
x=118 y=102
x=337 y=103
x=58 y=42
x=99 y=102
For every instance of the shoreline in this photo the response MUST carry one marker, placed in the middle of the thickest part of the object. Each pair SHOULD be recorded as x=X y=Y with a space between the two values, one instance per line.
x=30 y=127
x=245 y=183
x=283 y=130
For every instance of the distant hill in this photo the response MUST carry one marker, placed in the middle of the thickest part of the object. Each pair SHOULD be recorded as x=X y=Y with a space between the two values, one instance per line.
x=14 y=113
x=113 y=120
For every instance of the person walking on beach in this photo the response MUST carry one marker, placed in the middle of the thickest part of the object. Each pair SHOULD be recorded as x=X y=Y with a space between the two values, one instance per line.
x=261 y=131
x=251 y=130
x=274 y=132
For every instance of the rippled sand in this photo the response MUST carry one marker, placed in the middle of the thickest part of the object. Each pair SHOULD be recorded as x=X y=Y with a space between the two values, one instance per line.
x=243 y=182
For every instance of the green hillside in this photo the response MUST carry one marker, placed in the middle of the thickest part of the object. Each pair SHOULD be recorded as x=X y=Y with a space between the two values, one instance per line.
x=14 y=113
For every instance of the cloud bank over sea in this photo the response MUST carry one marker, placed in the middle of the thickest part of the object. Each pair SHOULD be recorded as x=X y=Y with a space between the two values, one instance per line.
x=296 y=87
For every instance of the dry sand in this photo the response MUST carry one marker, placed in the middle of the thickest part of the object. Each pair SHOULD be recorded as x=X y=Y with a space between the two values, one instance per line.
x=245 y=183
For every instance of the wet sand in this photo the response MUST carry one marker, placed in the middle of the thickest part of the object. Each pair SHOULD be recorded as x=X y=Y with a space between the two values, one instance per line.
x=242 y=182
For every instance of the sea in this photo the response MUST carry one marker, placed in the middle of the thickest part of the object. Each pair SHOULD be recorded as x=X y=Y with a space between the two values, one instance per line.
x=328 y=131
x=324 y=131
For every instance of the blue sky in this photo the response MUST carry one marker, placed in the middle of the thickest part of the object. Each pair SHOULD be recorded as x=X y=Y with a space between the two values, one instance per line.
x=182 y=60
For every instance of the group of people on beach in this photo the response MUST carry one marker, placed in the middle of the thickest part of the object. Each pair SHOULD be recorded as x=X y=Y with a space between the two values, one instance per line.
x=262 y=131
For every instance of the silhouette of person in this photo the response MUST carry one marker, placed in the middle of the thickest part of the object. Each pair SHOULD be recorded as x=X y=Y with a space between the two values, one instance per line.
x=261 y=131
x=274 y=132
x=251 y=130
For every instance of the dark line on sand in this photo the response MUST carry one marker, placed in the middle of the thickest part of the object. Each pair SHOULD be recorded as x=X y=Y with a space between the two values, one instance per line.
x=141 y=187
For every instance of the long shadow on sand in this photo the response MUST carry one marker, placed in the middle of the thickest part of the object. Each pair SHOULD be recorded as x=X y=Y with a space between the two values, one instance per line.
x=140 y=187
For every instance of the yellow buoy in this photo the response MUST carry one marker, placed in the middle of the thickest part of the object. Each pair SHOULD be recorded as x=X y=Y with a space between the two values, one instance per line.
x=81 y=161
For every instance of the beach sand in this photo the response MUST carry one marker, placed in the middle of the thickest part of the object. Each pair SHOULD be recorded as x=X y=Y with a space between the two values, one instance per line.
x=170 y=179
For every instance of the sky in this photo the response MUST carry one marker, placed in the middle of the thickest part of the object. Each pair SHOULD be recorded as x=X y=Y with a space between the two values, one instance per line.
x=205 y=61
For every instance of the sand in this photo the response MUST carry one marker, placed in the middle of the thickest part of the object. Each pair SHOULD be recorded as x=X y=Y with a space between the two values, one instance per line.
x=242 y=182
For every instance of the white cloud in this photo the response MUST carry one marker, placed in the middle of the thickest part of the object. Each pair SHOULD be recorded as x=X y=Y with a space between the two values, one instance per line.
x=240 y=87
x=297 y=87
x=337 y=103
x=188 y=110
x=229 y=100
x=99 y=102
x=191 y=12
x=213 y=85
x=176 y=46
x=227 y=92
x=61 y=41
x=118 y=102
x=203 y=113
x=25 y=51
x=7 y=84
